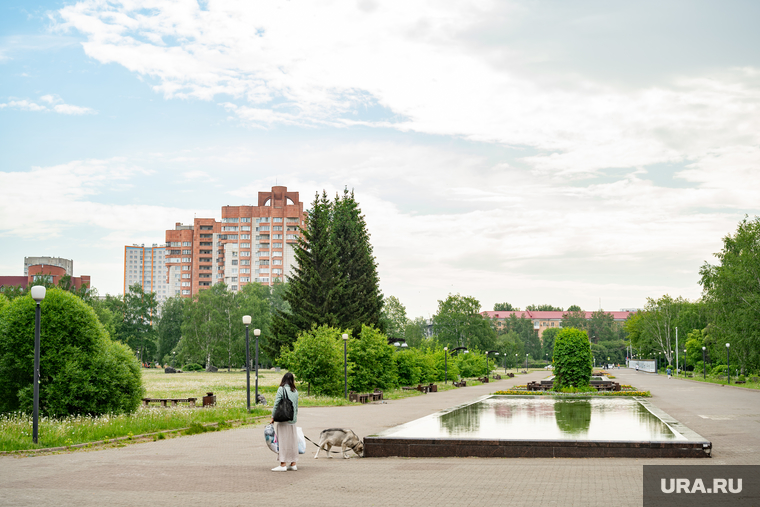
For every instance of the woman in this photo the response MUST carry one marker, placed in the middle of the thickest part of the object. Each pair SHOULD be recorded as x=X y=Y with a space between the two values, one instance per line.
x=287 y=437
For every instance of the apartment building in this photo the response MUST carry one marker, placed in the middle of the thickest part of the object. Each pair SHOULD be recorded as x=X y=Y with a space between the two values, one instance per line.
x=66 y=264
x=251 y=244
x=545 y=319
x=147 y=266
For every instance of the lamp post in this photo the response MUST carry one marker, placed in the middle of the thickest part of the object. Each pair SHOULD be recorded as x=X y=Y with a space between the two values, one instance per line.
x=38 y=294
x=526 y=363
x=704 y=367
x=345 y=366
x=247 y=322
x=516 y=364
x=174 y=357
x=256 y=333
x=445 y=365
x=728 y=363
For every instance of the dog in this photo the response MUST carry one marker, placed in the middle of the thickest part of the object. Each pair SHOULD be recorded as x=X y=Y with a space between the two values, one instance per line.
x=346 y=439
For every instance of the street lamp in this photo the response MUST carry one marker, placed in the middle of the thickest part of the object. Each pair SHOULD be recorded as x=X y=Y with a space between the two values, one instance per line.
x=256 y=333
x=174 y=357
x=704 y=367
x=445 y=365
x=247 y=322
x=38 y=294
x=526 y=363
x=516 y=363
x=728 y=363
x=345 y=366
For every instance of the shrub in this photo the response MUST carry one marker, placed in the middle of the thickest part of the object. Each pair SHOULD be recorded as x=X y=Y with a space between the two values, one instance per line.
x=409 y=372
x=471 y=364
x=371 y=361
x=572 y=359
x=719 y=370
x=192 y=367
x=317 y=358
x=82 y=370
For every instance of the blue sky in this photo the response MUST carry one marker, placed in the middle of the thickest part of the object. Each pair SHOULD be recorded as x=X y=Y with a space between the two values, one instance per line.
x=530 y=152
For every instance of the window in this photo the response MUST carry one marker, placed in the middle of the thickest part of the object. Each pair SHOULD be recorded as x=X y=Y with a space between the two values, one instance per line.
x=276 y=254
x=277 y=262
x=233 y=271
x=245 y=227
x=245 y=270
x=262 y=220
x=185 y=268
x=207 y=227
x=276 y=245
x=229 y=228
x=233 y=253
x=174 y=243
x=245 y=254
x=206 y=236
x=185 y=275
x=232 y=237
x=276 y=236
x=265 y=279
x=187 y=259
x=233 y=287
x=292 y=220
x=246 y=220
x=245 y=278
x=245 y=245
x=229 y=220
x=186 y=284
x=290 y=236
x=187 y=252
x=262 y=263
x=276 y=271
x=262 y=270
x=187 y=243
x=184 y=292
x=233 y=279
x=205 y=243
x=245 y=262
x=245 y=236
x=276 y=227
x=262 y=228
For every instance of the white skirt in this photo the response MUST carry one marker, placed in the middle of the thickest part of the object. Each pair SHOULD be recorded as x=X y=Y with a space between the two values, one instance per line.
x=287 y=438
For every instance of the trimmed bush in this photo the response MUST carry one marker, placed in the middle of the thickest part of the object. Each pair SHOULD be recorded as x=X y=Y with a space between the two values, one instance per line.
x=81 y=370
x=371 y=362
x=192 y=367
x=572 y=359
x=317 y=359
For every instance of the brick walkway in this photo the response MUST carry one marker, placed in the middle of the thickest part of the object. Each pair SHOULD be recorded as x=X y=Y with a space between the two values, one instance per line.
x=233 y=467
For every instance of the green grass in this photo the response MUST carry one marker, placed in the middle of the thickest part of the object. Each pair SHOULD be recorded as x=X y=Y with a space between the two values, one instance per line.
x=714 y=380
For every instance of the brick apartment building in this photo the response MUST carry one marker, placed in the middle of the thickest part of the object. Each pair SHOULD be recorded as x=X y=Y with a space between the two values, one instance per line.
x=251 y=244
x=51 y=269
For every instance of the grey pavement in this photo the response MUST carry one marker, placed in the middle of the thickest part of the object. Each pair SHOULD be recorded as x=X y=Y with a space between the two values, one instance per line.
x=233 y=467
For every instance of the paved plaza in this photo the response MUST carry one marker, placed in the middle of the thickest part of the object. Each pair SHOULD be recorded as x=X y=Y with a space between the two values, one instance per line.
x=233 y=467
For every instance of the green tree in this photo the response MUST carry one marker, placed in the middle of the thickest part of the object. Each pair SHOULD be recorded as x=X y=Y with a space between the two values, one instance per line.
x=415 y=332
x=371 y=361
x=313 y=291
x=360 y=301
x=572 y=359
x=543 y=308
x=458 y=323
x=504 y=307
x=317 y=359
x=82 y=371
x=548 y=338
x=574 y=308
x=601 y=327
x=528 y=334
x=653 y=330
x=169 y=328
x=575 y=319
x=135 y=328
x=732 y=291
x=394 y=318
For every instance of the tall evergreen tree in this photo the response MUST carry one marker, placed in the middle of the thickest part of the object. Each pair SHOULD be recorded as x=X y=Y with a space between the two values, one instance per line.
x=313 y=289
x=360 y=300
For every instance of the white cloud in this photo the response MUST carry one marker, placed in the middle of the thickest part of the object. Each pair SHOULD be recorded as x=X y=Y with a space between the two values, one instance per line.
x=54 y=101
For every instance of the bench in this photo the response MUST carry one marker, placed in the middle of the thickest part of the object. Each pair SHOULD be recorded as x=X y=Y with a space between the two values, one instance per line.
x=358 y=397
x=164 y=401
x=511 y=375
x=462 y=383
x=497 y=377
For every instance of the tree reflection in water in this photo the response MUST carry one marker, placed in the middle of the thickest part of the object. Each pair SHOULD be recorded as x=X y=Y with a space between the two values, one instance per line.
x=463 y=420
x=573 y=416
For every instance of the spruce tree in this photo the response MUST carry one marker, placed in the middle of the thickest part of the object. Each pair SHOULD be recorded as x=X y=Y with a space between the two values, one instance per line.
x=360 y=300
x=314 y=287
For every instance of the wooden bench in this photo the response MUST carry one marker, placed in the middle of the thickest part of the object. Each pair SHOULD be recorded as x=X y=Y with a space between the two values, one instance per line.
x=358 y=397
x=164 y=401
x=462 y=383
x=483 y=379
x=511 y=375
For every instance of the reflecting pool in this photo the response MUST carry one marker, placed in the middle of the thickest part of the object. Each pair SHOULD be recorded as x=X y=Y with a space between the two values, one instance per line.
x=543 y=418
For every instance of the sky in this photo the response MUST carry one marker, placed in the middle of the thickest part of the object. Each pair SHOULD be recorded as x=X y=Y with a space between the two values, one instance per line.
x=591 y=152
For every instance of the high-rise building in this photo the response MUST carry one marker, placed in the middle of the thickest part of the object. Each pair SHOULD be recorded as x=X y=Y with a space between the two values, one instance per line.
x=251 y=244
x=146 y=266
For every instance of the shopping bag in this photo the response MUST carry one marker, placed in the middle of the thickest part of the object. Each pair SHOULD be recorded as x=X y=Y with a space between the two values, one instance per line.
x=301 y=441
x=271 y=438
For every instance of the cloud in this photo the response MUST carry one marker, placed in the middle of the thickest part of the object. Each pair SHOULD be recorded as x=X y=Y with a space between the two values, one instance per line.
x=73 y=198
x=54 y=103
x=426 y=67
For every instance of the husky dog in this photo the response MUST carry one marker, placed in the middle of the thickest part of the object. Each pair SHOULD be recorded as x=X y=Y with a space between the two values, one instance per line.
x=346 y=439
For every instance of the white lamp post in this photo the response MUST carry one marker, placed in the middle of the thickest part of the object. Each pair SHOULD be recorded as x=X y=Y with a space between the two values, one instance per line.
x=445 y=365
x=38 y=294
x=256 y=333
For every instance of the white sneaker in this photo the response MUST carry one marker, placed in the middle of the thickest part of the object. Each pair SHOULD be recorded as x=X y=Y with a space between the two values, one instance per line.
x=294 y=467
x=279 y=469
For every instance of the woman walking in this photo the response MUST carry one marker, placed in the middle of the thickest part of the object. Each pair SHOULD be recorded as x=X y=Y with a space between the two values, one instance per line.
x=287 y=437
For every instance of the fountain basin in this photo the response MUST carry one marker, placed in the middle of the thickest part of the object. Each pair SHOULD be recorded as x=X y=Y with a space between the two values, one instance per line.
x=542 y=426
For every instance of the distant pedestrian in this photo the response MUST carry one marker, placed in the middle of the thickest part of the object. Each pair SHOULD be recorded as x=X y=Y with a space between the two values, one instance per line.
x=668 y=372
x=637 y=367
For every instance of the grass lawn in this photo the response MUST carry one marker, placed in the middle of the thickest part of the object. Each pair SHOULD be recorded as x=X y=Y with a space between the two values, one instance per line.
x=714 y=380
x=230 y=391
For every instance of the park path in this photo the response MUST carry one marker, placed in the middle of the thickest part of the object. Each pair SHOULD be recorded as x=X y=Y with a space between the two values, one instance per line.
x=233 y=467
